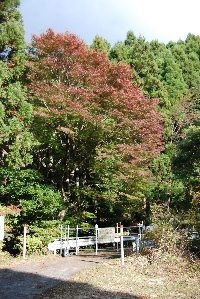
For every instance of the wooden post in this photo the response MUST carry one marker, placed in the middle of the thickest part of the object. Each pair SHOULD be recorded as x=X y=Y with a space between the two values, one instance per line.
x=61 y=239
x=117 y=240
x=24 y=244
x=122 y=245
x=76 y=239
x=68 y=239
x=1 y=229
x=96 y=228
x=138 y=244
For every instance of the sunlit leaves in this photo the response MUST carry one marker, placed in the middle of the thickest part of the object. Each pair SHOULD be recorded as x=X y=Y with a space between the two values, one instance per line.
x=71 y=79
x=97 y=127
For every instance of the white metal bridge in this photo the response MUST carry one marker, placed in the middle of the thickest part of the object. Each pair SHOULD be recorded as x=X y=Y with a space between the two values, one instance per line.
x=114 y=235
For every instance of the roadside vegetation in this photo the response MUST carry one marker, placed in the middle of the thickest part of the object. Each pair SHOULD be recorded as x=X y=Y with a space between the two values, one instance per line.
x=151 y=274
x=165 y=277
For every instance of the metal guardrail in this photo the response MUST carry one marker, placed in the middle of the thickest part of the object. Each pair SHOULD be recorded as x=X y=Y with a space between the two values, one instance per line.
x=101 y=236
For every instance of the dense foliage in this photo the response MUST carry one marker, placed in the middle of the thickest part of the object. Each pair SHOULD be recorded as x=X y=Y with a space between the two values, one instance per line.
x=99 y=130
x=23 y=196
x=95 y=134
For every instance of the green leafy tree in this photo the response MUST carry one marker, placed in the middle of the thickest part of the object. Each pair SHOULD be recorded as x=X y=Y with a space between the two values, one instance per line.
x=192 y=43
x=137 y=53
x=188 y=62
x=187 y=158
x=172 y=77
x=24 y=197
x=177 y=68
x=119 y=53
x=130 y=38
x=24 y=188
x=101 y=44
x=167 y=189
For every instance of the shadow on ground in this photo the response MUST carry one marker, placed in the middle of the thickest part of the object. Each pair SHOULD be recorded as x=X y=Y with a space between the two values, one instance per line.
x=23 y=285
x=45 y=279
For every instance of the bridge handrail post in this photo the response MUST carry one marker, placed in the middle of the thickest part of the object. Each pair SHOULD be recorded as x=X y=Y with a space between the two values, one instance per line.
x=117 y=240
x=68 y=236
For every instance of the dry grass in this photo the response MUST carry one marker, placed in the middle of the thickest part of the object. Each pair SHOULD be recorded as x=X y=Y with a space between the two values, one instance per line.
x=7 y=260
x=162 y=276
x=153 y=275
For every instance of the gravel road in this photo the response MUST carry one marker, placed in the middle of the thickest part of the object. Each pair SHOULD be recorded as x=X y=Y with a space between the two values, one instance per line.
x=28 y=281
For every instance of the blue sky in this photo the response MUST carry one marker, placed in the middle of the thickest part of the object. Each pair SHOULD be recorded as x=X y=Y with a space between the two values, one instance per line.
x=112 y=19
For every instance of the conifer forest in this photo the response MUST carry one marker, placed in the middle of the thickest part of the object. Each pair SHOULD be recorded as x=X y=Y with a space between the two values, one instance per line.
x=96 y=134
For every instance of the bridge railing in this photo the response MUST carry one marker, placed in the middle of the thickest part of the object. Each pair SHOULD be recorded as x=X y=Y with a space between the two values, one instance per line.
x=97 y=236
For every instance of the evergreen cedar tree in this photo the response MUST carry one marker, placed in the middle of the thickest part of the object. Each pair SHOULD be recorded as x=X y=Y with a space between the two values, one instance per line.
x=72 y=81
x=15 y=112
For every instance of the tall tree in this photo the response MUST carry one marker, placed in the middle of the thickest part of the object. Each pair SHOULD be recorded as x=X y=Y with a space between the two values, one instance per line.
x=19 y=186
x=119 y=53
x=137 y=53
x=130 y=38
x=101 y=44
x=186 y=54
x=15 y=112
x=171 y=76
x=93 y=115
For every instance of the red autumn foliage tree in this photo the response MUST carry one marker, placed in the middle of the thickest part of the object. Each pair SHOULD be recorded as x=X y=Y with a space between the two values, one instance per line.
x=92 y=109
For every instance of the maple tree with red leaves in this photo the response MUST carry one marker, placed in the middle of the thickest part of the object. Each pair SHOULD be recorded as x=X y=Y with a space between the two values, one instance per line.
x=91 y=116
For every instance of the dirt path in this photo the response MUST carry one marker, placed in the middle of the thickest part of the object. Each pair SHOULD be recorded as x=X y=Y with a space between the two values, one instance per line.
x=28 y=281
